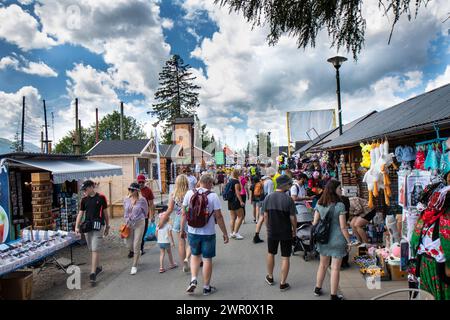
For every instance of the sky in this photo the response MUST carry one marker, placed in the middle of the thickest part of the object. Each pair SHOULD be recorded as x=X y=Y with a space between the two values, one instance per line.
x=106 y=51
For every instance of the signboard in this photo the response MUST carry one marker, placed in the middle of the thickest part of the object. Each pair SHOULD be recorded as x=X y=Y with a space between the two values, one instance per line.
x=4 y=205
x=220 y=158
x=304 y=123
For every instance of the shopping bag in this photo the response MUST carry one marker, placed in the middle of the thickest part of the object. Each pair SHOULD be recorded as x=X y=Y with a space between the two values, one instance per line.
x=151 y=231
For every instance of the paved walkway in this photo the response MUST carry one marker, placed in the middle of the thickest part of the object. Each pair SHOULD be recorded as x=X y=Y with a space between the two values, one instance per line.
x=238 y=273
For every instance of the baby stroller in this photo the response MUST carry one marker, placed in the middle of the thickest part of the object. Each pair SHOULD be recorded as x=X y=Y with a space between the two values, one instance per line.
x=303 y=241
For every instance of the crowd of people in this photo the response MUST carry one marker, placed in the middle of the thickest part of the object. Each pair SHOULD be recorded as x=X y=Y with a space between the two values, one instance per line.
x=276 y=196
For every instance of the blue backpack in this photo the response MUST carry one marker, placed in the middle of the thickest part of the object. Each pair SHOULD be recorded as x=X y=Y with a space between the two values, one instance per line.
x=228 y=193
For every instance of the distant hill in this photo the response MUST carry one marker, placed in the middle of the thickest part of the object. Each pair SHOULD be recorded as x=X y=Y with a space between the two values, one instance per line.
x=5 y=146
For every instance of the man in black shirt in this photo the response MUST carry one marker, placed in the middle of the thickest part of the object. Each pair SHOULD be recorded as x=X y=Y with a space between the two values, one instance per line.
x=280 y=218
x=93 y=209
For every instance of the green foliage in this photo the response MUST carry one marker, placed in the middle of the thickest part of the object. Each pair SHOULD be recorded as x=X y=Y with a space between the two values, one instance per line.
x=16 y=144
x=304 y=19
x=177 y=96
x=109 y=129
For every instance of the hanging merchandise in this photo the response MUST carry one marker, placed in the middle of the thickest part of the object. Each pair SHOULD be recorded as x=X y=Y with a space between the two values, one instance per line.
x=415 y=185
x=365 y=150
x=420 y=158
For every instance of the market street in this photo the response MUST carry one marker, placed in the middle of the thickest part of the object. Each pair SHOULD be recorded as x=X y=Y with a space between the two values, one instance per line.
x=238 y=273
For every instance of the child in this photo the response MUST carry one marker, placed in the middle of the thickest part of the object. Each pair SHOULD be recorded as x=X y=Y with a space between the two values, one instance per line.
x=165 y=240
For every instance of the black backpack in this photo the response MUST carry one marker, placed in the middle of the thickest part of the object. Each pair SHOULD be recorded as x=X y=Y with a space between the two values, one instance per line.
x=321 y=231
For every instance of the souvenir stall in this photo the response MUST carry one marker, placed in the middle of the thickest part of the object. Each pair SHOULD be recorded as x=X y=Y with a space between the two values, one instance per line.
x=39 y=201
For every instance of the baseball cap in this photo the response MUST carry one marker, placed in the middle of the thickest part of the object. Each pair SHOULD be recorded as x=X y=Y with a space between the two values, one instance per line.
x=140 y=178
x=87 y=184
x=283 y=180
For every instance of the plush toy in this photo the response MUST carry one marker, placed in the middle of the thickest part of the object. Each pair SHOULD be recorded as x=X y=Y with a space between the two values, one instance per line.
x=395 y=250
x=365 y=150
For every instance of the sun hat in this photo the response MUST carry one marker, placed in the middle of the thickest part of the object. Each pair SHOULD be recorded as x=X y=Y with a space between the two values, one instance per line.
x=283 y=180
x=134 y=186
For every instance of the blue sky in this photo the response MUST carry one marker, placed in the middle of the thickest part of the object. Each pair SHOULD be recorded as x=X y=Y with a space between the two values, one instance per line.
x=114 y=51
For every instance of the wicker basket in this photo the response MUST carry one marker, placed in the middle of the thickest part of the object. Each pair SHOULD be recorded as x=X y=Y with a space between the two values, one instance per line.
x=42 y=222
x=41 y=187
x=41 y=194
x=47 y=201
x=42 y=209
x=42 y=215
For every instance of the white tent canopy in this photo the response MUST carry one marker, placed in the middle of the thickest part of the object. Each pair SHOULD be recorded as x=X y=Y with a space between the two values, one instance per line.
x=68 y=170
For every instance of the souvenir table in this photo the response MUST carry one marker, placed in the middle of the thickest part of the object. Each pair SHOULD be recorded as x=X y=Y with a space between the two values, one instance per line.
x=34 y=246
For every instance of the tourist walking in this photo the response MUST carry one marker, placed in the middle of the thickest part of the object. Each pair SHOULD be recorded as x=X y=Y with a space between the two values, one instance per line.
x=338 y=243
x=201 y=211
x=281 y=223
x=94 y=214
x=176 y=199
x=191 y=178
x=147 y=193
x=165 y=242
x=235 y=204
x=267 y=189
x=135 y=212
x=243 y=179
x=220 y=179
x=256 y=192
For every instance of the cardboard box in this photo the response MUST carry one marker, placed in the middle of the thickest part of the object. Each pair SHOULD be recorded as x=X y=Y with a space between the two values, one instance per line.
x=17 y=285
x=396 y=273
x=40 y=177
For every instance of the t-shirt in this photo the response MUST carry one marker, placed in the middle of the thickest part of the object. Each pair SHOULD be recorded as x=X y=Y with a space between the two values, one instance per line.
x=243 y=181
x=163 y=233
x=279 y=207
x=268 y=187
x=299 y=191
x=220 y=177
x=192 y=182
x=94 y=207
x=213 y=205
x=147 y=193
x=234 y=182
x=274 y=179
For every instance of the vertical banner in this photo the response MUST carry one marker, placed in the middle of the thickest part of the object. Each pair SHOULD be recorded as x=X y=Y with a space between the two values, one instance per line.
x=158 y=159
x=5 y=219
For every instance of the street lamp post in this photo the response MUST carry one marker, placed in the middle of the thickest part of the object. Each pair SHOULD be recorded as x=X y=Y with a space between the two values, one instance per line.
x=269 y=151
x=337 y=62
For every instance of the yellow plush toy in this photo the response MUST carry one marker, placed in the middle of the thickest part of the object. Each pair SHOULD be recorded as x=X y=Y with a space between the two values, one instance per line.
x=365 y=150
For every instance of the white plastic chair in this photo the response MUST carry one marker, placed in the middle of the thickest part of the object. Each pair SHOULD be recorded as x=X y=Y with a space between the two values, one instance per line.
x=422 y=295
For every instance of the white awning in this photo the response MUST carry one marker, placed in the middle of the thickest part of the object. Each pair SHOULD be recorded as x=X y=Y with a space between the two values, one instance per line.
x=68 y=170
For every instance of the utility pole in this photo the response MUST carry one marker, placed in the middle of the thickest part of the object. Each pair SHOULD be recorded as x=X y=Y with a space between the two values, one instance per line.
x=76 y=145
x=23 y=125
x=121 y=120
x=42 y=141
x=53 y=126
x=96 y=125
x=79 y=135
x=46 y=128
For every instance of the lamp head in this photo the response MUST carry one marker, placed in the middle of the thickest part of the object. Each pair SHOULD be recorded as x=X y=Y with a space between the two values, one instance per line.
x=337 y=61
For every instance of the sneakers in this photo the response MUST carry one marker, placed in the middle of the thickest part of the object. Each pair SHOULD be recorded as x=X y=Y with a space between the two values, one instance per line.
x=237 y=236
x=269 y=280
x=133 y=271
x=130 y=254
x=186 y=266
x=284 y=287
x=92 y=278
x=142 y=252
x=257 y=239
x=211 y=290
x=354 y=243
x=98 y=271
x=254 y=221
x=337 y=297
x=192 y=287
x=233 y=235
x=318 y=292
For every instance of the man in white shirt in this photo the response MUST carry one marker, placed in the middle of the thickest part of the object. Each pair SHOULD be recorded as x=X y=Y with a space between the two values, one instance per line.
x=191 y=178
x=203 y=240
x=298 y=191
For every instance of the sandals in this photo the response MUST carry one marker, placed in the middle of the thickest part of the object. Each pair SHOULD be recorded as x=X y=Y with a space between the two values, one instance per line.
x=162 y=270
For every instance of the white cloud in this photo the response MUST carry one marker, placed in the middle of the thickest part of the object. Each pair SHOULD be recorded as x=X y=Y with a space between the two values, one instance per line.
x=29 y=67
x=20 y=28
x=12 y=110
x=441 y=80
x=167 y=24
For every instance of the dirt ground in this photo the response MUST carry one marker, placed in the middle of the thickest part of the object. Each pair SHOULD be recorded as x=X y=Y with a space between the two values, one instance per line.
x=51 y=282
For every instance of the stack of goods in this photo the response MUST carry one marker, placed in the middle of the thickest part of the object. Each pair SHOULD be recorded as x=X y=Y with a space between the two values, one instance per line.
x=349 y=174
x=368 y=266
x=42 y=201
x=15 y=182
x=68 y=216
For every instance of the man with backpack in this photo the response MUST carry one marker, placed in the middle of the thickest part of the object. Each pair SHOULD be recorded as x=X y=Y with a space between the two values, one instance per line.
x=257 y=190
x=267 y=184
x=201 y=210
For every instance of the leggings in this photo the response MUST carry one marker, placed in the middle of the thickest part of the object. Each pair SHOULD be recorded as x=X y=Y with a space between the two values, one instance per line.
x=143 y=236
x=135 y=238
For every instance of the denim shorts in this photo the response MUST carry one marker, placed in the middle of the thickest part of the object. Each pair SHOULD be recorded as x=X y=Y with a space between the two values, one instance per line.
x=177 y=224
x=204 y=245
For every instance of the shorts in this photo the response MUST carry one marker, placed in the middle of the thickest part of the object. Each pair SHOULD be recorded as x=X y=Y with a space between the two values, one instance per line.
x=234 y=205
x=177 y=224
x=164 y=245
x=370 y=215
x=204 y=245
x=286 y=247
x=94 y=240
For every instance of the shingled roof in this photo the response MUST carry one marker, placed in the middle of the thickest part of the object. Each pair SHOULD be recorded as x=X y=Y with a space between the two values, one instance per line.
x=118 y=147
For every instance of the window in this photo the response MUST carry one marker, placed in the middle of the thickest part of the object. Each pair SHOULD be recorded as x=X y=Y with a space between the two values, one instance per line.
x=144 y=165
x=155 y=171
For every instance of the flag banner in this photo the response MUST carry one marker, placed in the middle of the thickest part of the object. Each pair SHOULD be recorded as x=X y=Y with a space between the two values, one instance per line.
x=312 y=123
x=220 y=158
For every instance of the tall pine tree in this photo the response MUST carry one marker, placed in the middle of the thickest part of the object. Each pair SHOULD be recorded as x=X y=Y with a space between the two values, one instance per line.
x=177 y=96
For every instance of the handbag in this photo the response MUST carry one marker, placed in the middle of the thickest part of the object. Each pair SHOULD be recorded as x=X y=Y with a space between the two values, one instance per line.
x=321 y=231
x=124 y=231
